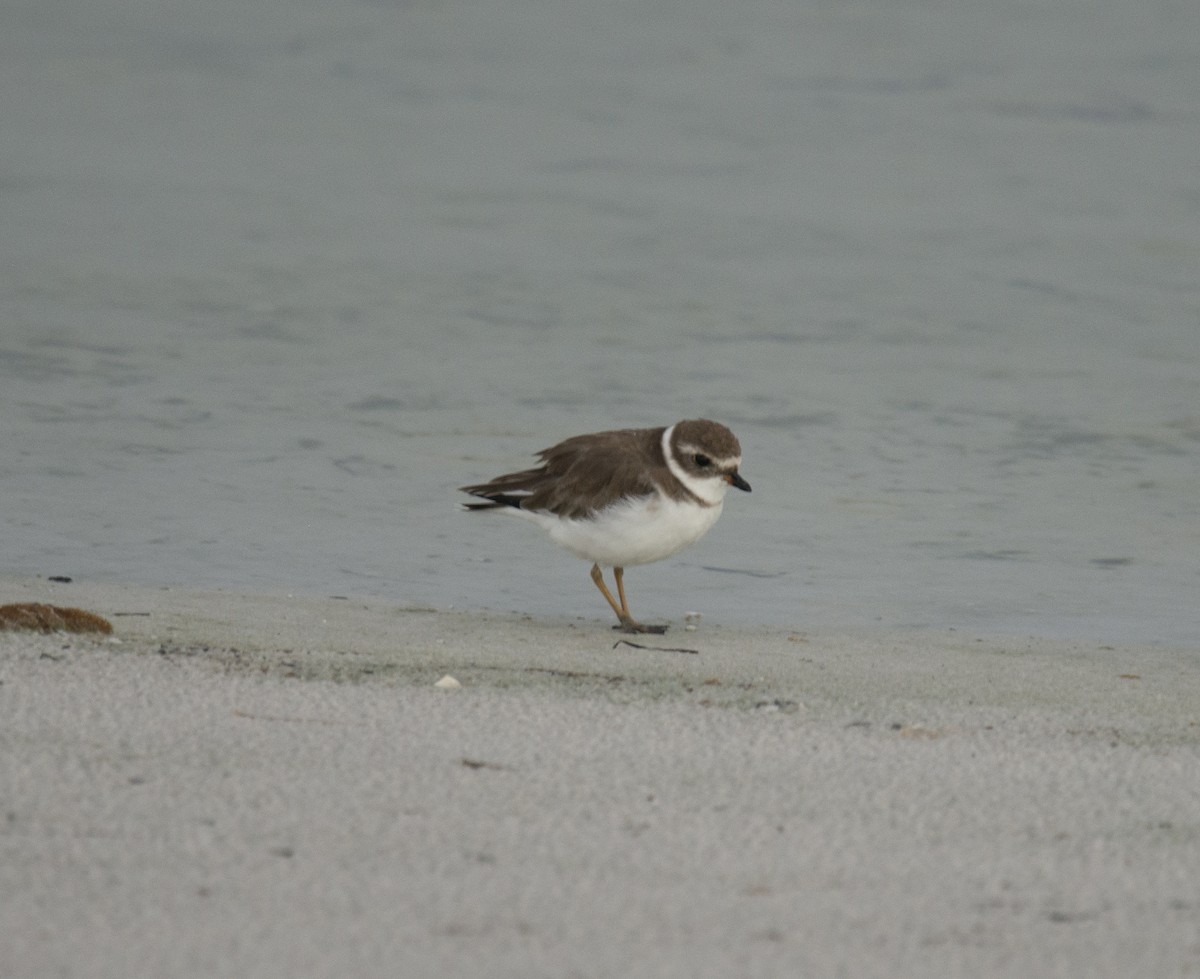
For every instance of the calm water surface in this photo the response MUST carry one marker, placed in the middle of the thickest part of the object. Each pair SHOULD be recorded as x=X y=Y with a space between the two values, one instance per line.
x=276 y=278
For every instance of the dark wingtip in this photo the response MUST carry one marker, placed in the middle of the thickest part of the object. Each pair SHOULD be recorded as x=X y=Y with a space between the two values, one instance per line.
x=494 y=501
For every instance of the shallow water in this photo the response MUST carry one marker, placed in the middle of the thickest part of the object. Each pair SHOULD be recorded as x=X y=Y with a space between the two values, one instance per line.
x=275 y=281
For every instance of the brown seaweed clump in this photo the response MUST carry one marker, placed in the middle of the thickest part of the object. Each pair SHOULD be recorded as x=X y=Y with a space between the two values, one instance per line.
x=39 y=617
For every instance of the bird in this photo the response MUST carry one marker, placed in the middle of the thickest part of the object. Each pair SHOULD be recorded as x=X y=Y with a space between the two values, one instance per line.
x=624 y=497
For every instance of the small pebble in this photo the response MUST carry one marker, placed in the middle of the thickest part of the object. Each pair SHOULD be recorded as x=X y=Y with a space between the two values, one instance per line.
x=448 y=683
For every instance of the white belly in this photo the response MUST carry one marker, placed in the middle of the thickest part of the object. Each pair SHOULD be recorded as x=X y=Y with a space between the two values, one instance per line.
x=637 y=532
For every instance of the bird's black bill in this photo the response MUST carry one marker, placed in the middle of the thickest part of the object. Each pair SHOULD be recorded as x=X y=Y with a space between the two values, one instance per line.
x=736 y=480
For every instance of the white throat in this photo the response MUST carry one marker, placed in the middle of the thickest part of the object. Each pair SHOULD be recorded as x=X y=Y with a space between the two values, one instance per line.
x=710 y=489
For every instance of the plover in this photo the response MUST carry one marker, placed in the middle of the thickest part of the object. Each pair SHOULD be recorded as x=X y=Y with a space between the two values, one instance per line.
x=625 y=497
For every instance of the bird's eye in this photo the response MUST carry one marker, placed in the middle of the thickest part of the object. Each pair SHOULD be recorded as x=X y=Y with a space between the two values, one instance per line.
x=701 y=460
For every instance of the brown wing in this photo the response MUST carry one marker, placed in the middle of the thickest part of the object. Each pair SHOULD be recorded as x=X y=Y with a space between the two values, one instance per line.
x=583 y=474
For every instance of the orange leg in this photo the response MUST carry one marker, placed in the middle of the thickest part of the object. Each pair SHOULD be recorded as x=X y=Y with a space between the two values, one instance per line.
x=598 y=578
x=619 y=574
x=628 y=624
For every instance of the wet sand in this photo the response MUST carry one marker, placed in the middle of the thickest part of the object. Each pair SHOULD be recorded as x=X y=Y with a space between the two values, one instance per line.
x=254 y=785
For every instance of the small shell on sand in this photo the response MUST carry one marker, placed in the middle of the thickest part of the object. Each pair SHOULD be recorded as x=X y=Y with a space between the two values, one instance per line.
x=38 y=617
x=448 y=683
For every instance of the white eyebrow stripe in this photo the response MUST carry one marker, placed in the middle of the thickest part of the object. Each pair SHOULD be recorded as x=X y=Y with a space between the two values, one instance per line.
x=728 y=462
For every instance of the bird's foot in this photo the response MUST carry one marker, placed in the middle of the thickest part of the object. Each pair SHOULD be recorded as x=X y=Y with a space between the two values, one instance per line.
x=633 y=627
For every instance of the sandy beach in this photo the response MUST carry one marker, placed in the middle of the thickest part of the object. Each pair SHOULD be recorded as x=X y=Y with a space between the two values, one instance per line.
x=262 y=786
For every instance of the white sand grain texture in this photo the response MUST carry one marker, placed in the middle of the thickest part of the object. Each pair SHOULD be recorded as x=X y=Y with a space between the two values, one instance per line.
x=268 y=786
